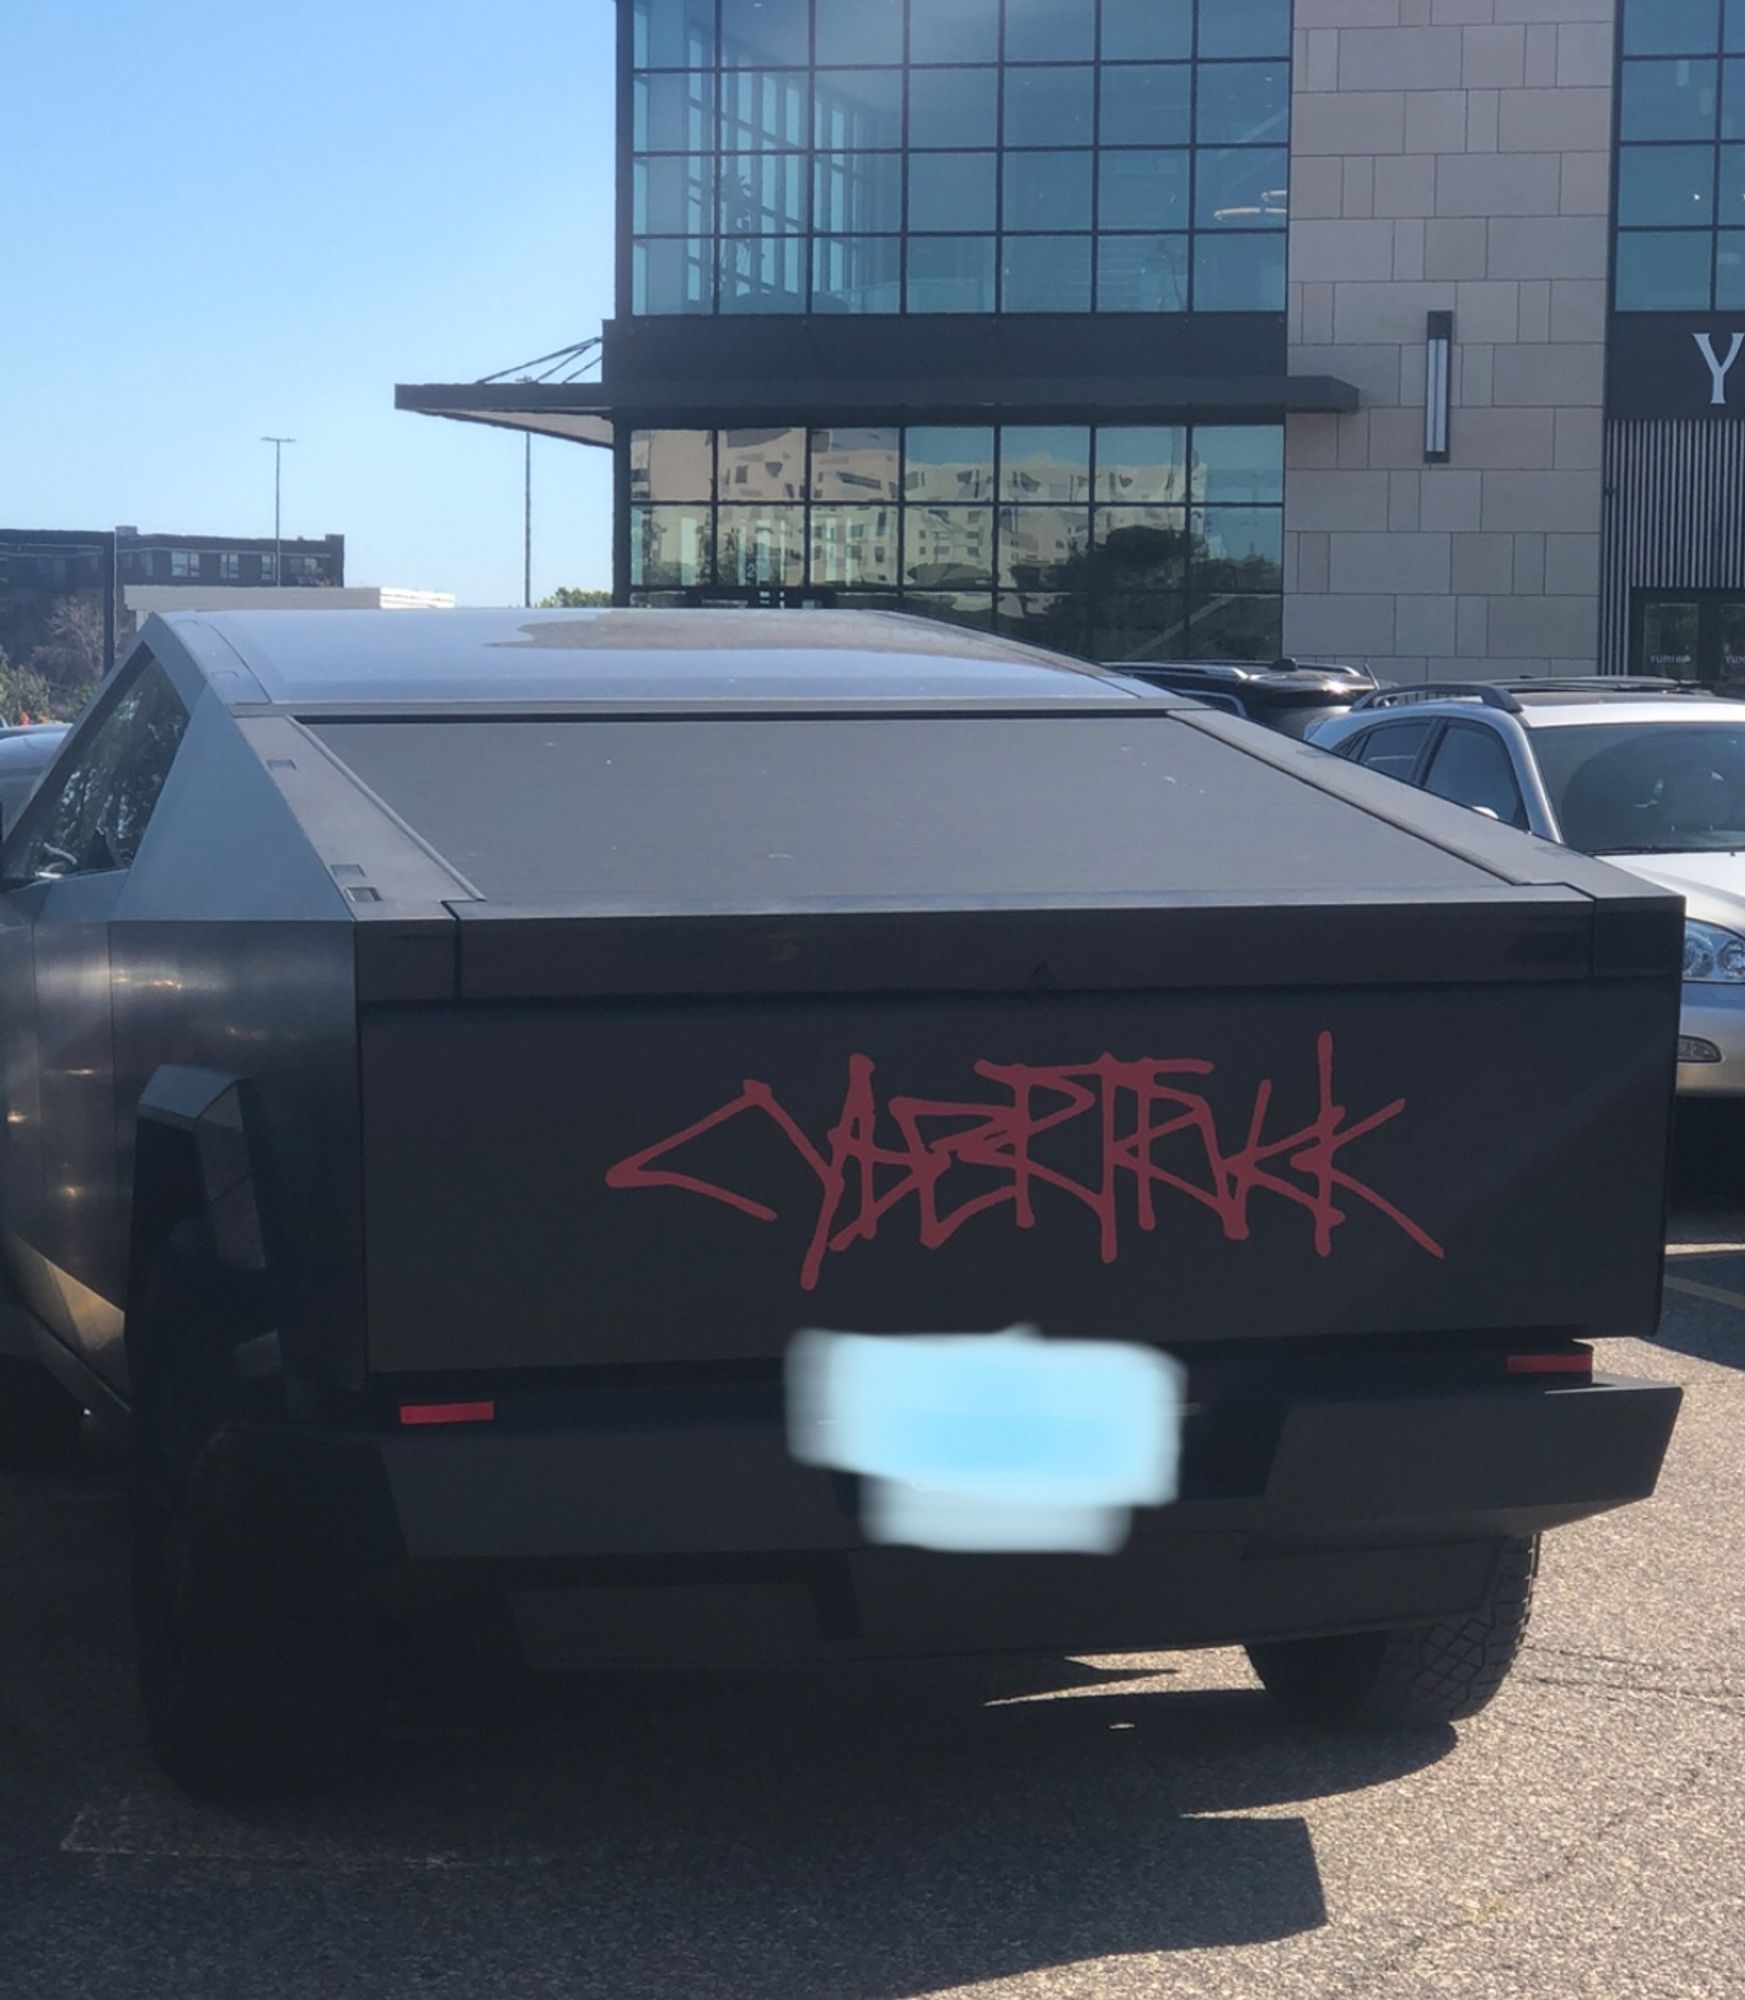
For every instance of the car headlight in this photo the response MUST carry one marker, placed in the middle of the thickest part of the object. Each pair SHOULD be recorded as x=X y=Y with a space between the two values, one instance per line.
x=1713 y=957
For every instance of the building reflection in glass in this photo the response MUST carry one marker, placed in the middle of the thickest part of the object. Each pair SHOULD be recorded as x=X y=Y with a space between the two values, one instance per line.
x=1123 y=542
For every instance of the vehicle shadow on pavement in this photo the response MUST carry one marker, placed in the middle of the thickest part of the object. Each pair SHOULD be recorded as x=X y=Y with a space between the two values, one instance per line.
x=1703 y=1314
x=1707 y=1328
x=865 y=1832
x=1708 y=1158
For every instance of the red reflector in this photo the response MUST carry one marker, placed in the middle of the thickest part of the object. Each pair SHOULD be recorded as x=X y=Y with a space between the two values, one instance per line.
x=448 y=1413
x=1551 y=1364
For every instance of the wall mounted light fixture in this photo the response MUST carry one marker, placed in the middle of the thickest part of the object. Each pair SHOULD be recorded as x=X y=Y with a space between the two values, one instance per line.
x=1438 y=386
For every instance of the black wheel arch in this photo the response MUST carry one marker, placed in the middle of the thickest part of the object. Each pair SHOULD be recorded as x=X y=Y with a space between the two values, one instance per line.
x=198 y=1196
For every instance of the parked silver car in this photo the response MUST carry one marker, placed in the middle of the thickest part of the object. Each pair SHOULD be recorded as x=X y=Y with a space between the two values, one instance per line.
x=1650 y=774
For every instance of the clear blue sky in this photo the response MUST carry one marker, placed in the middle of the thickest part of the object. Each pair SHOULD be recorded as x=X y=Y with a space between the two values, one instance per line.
x=220 y=218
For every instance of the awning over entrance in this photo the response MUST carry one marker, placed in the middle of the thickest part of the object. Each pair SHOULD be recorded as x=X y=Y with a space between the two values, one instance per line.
x=591 y=412
x=513 y=406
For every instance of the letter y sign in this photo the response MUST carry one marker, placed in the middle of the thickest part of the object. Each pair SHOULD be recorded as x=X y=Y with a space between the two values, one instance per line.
x=1718 y=368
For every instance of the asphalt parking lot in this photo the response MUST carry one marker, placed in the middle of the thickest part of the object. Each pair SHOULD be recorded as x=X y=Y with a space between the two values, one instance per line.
x=1103 y=1828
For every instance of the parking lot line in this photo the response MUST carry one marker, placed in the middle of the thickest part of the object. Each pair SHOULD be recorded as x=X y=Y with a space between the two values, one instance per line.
x=1717 y=1295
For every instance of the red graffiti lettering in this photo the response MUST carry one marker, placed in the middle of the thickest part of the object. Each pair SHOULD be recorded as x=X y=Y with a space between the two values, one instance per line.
x=864 y=1175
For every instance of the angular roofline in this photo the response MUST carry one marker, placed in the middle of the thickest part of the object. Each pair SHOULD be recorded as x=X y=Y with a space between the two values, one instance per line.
x=715 y=667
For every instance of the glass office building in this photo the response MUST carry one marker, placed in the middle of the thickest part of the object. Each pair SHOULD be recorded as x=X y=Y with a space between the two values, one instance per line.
x=1185 y=328
x=969 y=308
x=1675 y=448
x=1681 y=157
x=944 y=164
x=857 y=156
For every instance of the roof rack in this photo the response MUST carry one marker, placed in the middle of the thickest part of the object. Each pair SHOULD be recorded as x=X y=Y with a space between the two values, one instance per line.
x=1242 y=672
x=1507 y=695
x=1344 y=668
x=1491 y=693
x=1603 y=684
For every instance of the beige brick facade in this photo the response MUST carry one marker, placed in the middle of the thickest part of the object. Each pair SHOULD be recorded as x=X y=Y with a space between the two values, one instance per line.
x=1450 y=155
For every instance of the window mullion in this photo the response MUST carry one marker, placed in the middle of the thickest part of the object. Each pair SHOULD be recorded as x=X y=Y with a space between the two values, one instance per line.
x=1720 y=128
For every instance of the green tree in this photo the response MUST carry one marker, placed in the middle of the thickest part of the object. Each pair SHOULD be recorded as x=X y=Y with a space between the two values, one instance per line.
x=570 y=599
x=24 y=692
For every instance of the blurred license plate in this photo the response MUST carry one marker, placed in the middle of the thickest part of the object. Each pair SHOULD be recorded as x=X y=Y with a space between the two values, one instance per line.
x=1004 y=1441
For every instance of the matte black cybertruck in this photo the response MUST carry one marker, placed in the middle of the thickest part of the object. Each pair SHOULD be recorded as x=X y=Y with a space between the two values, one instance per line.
x=454 y=1062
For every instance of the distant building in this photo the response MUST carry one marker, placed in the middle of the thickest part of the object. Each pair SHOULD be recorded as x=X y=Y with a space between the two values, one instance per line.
x=217 y=559
x=42 y=569
x=140 y=600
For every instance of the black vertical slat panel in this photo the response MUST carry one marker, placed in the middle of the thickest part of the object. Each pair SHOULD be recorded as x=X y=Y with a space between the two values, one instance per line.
x=1674 y=520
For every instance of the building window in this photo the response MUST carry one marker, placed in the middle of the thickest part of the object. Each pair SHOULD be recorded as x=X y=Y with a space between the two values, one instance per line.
x=184 y=565
x=959 y=156
x=1125 y=542
x=1681 y=156
x=229 y=566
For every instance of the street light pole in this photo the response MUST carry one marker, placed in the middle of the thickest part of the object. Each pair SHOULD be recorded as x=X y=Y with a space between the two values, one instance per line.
x=527 y=534
x=278 y=444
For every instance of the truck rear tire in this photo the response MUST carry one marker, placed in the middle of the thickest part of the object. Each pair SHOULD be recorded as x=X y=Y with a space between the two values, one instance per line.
x=39 y=1421
x=255 y=1682
x=1414 y=1676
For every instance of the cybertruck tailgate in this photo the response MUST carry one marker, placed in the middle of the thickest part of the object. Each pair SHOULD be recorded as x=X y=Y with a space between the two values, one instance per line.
x=1320 y=1127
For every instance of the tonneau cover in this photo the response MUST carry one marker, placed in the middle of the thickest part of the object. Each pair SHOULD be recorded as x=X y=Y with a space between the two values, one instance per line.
x=773 y=852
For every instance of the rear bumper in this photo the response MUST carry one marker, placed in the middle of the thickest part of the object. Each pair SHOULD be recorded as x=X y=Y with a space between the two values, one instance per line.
x=1316 y=1516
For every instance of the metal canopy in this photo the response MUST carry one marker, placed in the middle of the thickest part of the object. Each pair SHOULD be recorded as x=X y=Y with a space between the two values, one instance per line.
x=506 y=400
x=590 y=412
x=510 y=407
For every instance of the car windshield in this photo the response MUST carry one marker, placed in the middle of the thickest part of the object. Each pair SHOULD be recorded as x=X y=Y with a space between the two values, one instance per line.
x=1647 y=788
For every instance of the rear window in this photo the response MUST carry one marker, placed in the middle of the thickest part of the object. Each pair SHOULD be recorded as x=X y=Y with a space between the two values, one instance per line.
x=1472 y=768
x=741 y=810
x=1394 y=749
